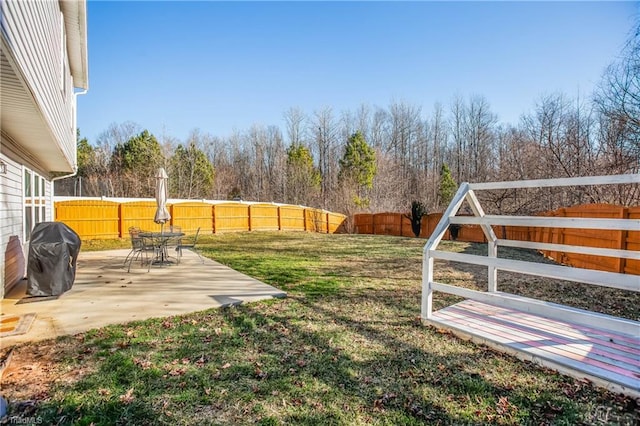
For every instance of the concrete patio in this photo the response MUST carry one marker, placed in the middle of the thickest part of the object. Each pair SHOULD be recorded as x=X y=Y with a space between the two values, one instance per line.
x=104 y=293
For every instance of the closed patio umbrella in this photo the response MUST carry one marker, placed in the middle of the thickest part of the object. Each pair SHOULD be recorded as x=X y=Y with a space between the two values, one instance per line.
x=162 y=214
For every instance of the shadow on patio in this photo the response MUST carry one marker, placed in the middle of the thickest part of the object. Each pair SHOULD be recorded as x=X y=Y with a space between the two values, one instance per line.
x=104 y=293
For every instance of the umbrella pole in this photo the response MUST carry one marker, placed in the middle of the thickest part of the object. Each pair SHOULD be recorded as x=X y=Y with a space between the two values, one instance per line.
x=161 y=244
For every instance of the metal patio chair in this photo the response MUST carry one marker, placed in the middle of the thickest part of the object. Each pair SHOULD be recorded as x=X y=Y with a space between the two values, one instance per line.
x=140 y=247
x=189 y=245
x=174 y=242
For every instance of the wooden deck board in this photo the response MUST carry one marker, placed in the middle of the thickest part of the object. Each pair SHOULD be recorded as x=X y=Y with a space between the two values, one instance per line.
x=608 y=358
x=541 y=344
x=629 y=343
x=583 y=345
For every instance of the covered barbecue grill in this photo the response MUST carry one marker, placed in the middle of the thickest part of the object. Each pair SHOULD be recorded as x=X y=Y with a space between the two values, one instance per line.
x=53 y=252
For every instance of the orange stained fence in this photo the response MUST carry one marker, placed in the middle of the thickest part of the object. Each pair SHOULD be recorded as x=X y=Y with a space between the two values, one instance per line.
x=400 y=225
x=264 y=217
x=98 y=218
x=231 y=217
x=623 y=240
x=190 y=216
x=315 y=220
x=105 y=219
x=632 y=242
x=291 y=218
x=137 y=213
x=336 y=222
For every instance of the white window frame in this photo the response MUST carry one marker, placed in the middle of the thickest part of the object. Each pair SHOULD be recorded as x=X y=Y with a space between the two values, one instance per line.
x=35 y=200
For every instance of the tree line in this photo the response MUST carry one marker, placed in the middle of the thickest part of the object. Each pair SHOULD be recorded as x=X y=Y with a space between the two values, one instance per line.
x=384 y=158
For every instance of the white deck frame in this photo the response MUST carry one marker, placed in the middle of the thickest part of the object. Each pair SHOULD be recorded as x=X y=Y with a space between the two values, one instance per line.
x=510 y=301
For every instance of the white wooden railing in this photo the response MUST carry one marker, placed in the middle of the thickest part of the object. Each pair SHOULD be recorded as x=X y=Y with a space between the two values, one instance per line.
x=493 y=263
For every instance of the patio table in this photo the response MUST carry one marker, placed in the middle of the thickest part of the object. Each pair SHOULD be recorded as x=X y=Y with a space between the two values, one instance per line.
x=160 y=242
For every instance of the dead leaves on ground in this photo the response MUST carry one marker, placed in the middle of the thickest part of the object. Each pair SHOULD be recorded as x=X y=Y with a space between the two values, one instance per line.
x=128 y=397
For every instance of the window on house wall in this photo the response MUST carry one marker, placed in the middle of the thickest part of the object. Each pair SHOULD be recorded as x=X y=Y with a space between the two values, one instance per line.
x=34 y=201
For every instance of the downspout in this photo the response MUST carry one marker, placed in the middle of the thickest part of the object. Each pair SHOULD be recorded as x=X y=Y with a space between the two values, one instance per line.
x=75 y=160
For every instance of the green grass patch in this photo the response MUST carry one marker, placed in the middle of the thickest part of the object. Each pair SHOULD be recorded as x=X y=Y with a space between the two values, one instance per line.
x=345 y=347
x=97 y=245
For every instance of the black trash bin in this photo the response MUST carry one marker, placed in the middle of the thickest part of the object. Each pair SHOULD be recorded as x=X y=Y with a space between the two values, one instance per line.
x=53 y=252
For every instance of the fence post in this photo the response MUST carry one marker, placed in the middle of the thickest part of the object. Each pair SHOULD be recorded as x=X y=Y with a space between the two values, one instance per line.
x=622 y=242
x=304 y=218
x=249 y=217
x=562 y=257
x=279 y=219
x=120 y=221
x=213 y=218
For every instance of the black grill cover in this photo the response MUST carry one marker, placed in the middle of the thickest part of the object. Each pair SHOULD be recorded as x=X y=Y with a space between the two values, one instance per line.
x=53 y=252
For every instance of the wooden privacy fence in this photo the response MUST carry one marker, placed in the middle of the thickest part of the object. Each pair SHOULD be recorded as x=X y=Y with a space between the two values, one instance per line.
x=399 y=225
x=107 y=219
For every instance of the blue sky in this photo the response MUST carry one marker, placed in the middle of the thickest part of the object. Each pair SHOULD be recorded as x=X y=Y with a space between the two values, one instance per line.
x=173 y=66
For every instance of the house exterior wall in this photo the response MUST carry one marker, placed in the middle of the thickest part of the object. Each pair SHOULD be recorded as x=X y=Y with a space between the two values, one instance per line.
x=11 y=221
x=35 y=33
x=13 y=210
x=38 y=93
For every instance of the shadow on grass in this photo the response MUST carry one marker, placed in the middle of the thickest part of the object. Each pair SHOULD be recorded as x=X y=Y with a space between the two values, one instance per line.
x=271 y=371
x=304 y=363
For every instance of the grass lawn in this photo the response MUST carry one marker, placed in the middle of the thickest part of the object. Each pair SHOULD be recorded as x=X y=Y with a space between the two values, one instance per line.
x=346 y=347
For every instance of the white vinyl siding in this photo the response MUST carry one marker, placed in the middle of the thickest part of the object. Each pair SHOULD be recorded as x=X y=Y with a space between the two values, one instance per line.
x=11 y=195
x=13 y=233
x=37 y=129
x=12 y=251
x=42 y=59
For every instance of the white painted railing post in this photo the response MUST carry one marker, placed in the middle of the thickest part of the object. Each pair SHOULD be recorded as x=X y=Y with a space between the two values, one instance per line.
x=492 y=240
x=493 y=263
x=492 y=252
x=427 y=291
x=432 y=243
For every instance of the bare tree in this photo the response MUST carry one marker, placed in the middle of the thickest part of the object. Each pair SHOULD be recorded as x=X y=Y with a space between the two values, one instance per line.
x=218 y=153
x=516 y=158
x=363 y=122
x=618 y=96
x=379 y=129
x=405 y=133
x=479 y=128
x=438 y=136
x=295 y=128
x=384 y=194
x=109 y=172
x=457 y=152
x=618 y=104
x=324 y=142
x=275 y=162
x=472 y=126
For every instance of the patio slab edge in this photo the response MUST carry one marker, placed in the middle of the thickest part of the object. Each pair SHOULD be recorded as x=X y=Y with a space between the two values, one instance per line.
x=105 y=294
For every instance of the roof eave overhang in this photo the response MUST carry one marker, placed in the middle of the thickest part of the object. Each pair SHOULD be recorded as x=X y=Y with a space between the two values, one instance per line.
x=22 y=120
x=75 y=22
